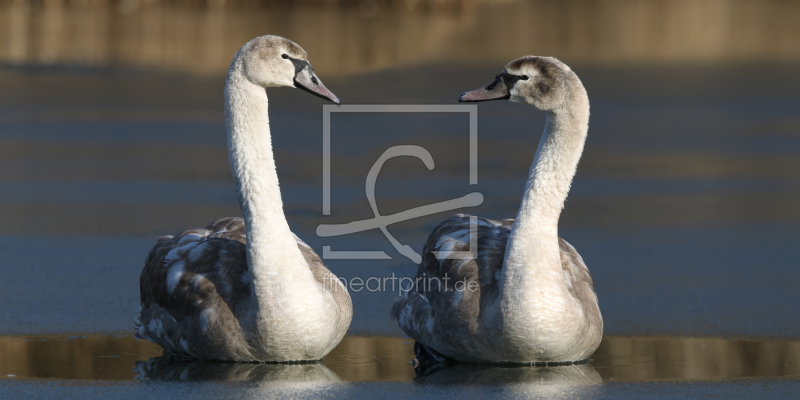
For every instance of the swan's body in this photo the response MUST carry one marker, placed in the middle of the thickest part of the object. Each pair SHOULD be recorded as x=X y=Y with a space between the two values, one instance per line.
x=527 y=296
x=247 y=289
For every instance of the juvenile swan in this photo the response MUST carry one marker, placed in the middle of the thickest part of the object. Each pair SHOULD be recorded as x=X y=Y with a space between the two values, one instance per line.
x=247 y=289
x=527 y=296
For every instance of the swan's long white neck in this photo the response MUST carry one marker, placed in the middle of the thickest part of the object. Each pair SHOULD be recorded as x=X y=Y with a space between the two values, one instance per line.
x=272 y=253
x=532 y=265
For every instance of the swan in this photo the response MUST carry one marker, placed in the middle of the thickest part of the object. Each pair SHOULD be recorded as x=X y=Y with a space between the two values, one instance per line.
x=247 y=289
x=526 y=295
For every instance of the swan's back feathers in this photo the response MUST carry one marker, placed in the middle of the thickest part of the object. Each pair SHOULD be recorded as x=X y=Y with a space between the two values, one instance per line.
x=449 y=294
x=195 y=286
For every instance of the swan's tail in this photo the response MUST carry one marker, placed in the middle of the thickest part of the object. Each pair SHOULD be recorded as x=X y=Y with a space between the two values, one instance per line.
x=137 y=324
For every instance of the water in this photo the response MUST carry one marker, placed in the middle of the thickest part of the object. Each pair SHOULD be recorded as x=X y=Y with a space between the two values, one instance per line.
x=684 y=206
x=379 y=359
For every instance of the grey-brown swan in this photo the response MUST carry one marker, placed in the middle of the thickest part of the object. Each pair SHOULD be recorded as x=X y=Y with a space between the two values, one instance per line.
x=526 y=295
x=247 y=289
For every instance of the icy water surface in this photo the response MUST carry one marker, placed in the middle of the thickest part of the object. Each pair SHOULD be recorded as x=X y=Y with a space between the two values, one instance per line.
x=371 y=358
x=684 y=206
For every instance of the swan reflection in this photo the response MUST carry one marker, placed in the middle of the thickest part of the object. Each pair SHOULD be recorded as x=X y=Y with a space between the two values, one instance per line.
x=482 y=374
x=166 y=368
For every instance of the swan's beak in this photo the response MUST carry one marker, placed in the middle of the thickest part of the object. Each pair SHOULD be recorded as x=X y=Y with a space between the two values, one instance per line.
x=306 y=79
x=494 y=90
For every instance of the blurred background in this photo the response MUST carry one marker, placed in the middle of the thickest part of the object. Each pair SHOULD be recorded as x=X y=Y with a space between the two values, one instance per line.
x=346 y=37
x=686 y=205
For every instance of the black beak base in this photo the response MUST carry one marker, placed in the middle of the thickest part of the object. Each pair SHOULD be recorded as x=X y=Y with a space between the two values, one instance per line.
x=306 y=80
x=498 y=89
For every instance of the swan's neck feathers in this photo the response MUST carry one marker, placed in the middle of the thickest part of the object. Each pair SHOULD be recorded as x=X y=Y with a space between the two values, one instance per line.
x=273 y=258
x=532 y=265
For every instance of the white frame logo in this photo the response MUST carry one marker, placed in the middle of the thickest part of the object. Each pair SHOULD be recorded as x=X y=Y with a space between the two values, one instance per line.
x=383 y=221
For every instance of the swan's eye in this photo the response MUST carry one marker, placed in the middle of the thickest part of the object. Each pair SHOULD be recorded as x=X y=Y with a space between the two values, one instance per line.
x=314 y=79
x=524 y=77
x=284 y=56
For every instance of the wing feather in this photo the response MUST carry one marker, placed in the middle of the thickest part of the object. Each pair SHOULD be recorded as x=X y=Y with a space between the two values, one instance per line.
x=195 y=286
x=449 y=291
x=434 y=305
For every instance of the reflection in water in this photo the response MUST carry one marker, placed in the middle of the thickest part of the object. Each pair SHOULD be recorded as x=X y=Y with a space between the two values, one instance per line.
x=388 y=359
x=165 y=368
x=360 y=358
x=345 y=40
x=471 y=374
x=646 y=358
x=564 y=381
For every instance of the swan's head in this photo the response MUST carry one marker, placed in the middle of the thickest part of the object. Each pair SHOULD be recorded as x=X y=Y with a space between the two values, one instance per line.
x=538 y=81
x=270 y=61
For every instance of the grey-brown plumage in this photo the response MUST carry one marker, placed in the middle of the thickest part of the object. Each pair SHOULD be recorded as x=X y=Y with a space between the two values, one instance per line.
x=195 y=288
x=207 y=294
x=434 y=294
x=525 y=294
x=433 y=301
